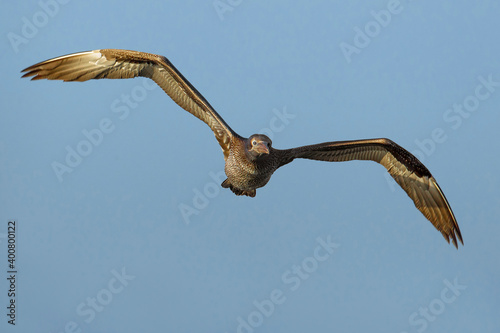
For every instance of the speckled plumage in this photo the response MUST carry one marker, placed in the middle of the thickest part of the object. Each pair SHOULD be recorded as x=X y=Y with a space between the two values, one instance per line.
x=250 y=162
x=246 y=175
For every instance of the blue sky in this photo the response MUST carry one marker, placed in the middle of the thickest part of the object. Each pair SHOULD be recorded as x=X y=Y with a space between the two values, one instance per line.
x=324 y=246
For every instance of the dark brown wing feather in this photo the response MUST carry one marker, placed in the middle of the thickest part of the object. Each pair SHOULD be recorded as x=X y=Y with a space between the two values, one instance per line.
x=124 y=64
x=405 y=168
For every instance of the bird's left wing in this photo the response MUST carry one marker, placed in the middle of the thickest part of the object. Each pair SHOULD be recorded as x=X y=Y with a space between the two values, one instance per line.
x=405 y=168
x=124 y=64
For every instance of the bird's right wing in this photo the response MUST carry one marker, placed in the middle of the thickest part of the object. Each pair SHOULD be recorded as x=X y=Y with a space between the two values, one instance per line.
x=124 y=64
x=405 y=168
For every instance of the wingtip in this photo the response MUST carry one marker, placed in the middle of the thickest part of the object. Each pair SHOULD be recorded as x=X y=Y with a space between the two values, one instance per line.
x=26 y=69
x=459 y=235
x=28 y=74
x=30 y=71
x=34 y=76
x=456 y=234
x=453 y=235
x=454 y=238
x=461 y=241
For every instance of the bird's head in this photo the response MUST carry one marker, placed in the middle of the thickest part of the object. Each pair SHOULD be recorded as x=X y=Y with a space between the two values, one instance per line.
x=259 y=145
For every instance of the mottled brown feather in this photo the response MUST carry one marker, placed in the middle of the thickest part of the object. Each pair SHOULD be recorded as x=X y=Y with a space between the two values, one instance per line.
x=124 y=64
x=405 y=168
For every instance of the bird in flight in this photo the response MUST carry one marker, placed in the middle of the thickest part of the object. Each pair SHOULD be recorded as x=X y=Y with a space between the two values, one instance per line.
x=250 y=162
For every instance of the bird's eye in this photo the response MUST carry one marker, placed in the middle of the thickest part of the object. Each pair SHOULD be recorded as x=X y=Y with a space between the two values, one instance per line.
x=254 y=142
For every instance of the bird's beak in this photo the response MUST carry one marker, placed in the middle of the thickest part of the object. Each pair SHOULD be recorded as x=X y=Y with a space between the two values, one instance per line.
x=261 y=148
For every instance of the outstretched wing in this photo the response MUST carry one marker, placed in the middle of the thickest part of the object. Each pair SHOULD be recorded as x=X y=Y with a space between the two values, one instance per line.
x=405 y=168
x=124 y=64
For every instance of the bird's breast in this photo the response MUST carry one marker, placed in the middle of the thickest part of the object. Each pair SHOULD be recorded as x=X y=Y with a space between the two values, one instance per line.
x=245 y=174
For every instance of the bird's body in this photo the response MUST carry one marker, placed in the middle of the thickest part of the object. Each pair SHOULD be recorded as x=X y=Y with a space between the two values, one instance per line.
x=250 y=162
x=244 y=173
